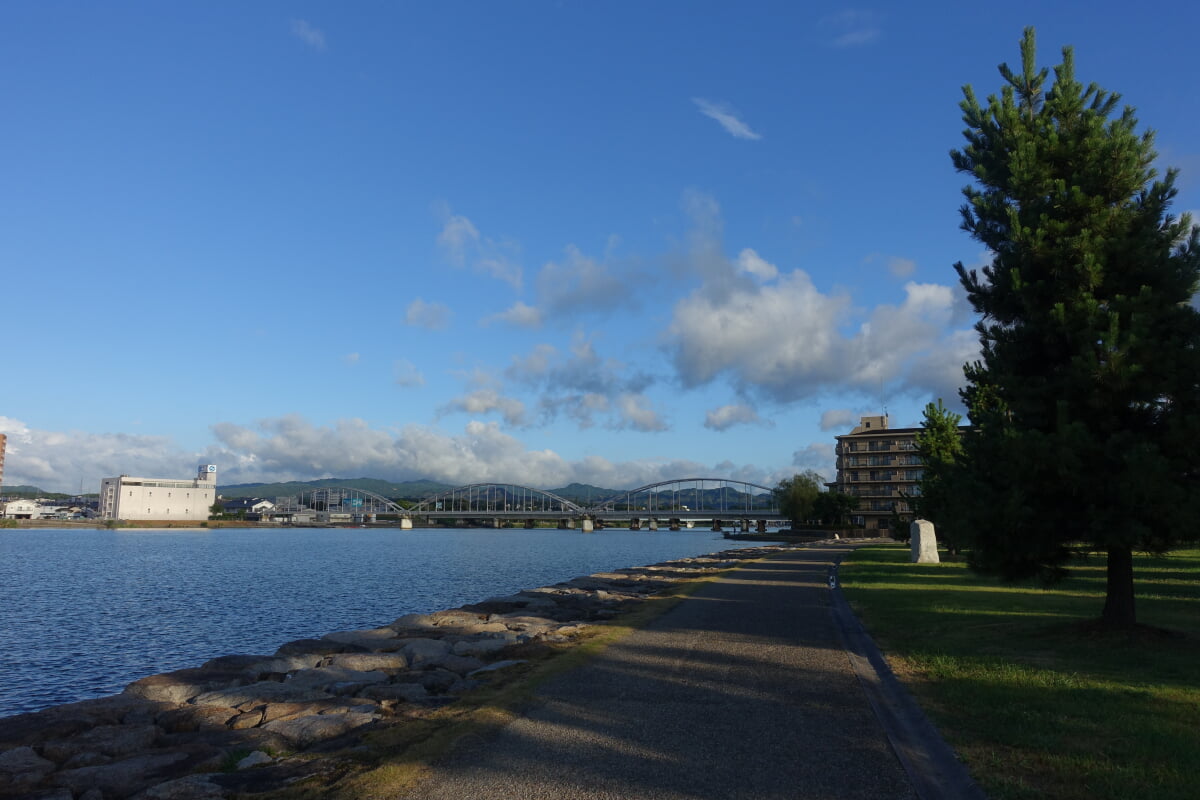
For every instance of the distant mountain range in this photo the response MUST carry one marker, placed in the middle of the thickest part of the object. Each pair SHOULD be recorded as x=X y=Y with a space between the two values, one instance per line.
x=30 y=492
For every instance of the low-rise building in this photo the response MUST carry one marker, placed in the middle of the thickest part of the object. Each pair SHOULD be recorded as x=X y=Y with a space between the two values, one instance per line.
x=21 y=509
x=251 y=508
x=165 y=499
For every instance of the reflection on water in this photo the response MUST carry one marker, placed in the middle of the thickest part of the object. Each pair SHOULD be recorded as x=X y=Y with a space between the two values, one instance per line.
x=84 y=612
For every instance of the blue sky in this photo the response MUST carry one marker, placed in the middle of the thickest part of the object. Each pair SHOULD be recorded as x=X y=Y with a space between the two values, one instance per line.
x=535 y=242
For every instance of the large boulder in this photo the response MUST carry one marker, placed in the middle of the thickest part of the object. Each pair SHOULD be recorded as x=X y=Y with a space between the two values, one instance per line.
x=107 y=740
x=182 y=685
x=425 y=652
x=368 y=662
x=307 y=731
x=192 y=787
x=326 y=678
x=122 y=778
x=263 y=692
x=371 y=639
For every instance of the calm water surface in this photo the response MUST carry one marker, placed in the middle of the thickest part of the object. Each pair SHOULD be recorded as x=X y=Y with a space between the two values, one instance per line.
x=84 y=612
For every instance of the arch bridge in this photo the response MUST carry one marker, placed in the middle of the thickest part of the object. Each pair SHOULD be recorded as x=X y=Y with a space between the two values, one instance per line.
x=682 y=502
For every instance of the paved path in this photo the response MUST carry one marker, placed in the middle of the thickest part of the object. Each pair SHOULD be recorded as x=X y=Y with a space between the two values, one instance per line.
x=743 y=690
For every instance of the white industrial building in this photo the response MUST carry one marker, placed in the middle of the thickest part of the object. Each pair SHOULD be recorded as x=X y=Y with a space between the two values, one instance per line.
x=164 y=499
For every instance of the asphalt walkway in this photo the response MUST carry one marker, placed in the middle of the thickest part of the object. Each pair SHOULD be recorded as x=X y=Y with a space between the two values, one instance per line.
x=751 y=688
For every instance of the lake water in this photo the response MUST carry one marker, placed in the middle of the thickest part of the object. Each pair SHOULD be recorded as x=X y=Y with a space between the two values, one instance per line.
x=84 y=612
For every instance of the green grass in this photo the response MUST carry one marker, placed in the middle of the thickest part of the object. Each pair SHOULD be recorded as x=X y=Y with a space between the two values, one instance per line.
x=1037 y=700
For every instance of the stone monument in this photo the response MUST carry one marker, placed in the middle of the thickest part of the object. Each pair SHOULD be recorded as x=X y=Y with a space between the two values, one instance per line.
x=924 y=542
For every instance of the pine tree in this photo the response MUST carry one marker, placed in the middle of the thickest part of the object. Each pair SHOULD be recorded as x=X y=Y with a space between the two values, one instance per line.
x=1085 y=405
x=940 y=446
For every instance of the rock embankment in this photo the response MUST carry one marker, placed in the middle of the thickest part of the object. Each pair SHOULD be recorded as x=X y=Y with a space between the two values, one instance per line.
x=196 y=734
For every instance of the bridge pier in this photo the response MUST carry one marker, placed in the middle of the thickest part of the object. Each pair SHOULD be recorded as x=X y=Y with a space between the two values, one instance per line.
x=530 y=523
x=745 y=526
x=652 y=524
x=716 y=525
x=762 y=526
x=566 y=524
x=673 y=523
x=635 y=524
x=406 y=523
x=586 y=525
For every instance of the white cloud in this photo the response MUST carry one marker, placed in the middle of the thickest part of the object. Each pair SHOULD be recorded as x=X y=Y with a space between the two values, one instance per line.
x=457 y=236
x=726 y=117
x=725 y=417
x=853 y=28
x=578 y=285
x=781 y=340
x=463 y=245
x=311 y=36
x=58 y=461
x=939 y=371
x=431 y=316
x=485 y=401
x=837 y=419
x=901 y=267
x=292 y=448
x=406 y=374
x=789 y=341
x=786 y=341
x=819 y=457
x=635 y=413
x=582 y=386
x=751 y=263
x=519 y=315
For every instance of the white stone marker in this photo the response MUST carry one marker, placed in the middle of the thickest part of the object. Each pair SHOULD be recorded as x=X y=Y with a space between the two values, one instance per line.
x=924 y=542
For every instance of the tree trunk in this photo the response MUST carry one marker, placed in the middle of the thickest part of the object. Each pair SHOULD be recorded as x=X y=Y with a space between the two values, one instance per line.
x=1118 y=602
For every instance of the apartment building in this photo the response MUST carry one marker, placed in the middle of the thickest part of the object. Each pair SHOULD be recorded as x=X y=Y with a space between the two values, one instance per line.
x=881 y=467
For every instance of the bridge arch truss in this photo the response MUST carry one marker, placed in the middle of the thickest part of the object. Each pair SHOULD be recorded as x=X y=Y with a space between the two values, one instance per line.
x=339 y=500
x=507 y=499
x=694 y=496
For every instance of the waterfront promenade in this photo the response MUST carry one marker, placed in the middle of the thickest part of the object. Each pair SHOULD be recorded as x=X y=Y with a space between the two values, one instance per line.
x=746 y=689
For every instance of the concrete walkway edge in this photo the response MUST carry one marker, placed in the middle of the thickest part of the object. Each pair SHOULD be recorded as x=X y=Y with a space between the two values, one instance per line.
x=931 y=764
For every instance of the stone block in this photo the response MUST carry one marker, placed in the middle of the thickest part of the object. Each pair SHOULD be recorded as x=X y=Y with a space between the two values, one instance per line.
x=924 y=542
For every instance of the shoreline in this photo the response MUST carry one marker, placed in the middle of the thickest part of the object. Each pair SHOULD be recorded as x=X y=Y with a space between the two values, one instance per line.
x=314 y=695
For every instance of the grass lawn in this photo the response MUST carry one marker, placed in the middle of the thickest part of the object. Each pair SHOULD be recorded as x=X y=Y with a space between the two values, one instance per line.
x=1036 y=701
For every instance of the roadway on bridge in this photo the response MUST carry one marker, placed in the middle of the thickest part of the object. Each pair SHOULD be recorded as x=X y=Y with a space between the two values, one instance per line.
x=743 y=690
